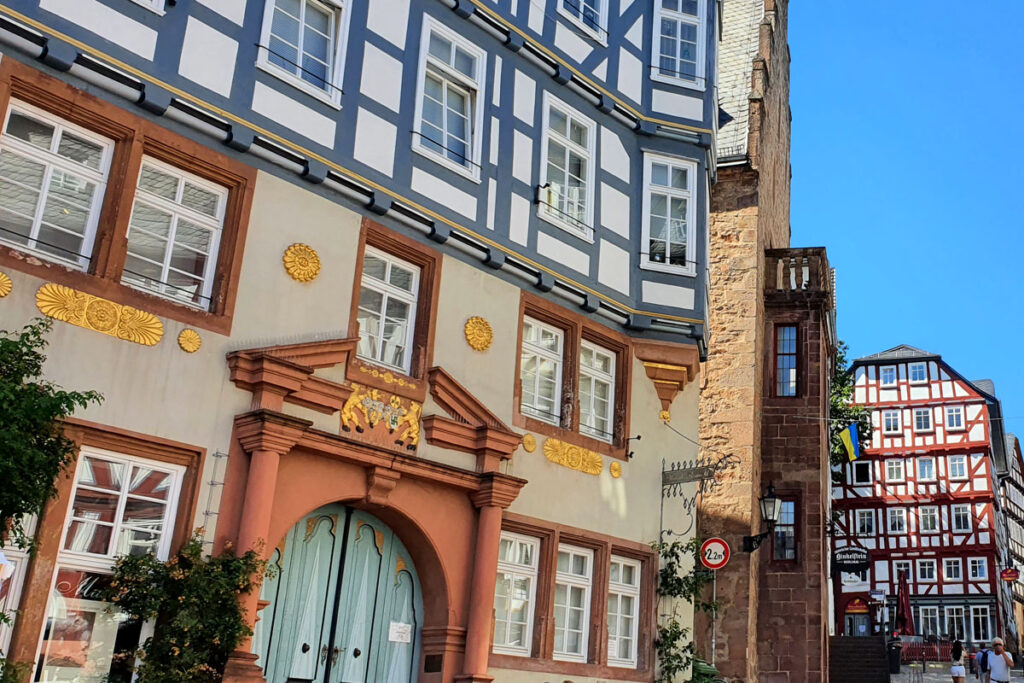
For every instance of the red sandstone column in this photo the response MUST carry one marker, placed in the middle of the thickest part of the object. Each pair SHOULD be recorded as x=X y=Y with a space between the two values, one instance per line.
x=495 y=494
x=265 y=436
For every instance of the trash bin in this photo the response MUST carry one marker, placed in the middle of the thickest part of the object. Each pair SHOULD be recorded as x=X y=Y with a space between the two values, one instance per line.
x=895 y=652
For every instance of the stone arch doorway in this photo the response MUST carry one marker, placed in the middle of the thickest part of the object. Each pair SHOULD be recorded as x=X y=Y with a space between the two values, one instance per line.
x=343 y=603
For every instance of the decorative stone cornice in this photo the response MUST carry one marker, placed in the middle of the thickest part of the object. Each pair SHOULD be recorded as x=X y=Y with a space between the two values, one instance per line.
x=497 y=490
x=267 y=430
x=669 y=367
x=380 y=482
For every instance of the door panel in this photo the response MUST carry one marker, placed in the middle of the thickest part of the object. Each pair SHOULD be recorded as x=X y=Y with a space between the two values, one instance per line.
x=396 y=636
x=363 y=560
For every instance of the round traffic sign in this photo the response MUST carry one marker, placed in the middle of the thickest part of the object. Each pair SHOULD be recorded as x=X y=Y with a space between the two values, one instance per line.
x=714 y=553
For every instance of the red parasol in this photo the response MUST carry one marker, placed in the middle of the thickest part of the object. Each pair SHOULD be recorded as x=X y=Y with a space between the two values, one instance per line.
x=904 y=614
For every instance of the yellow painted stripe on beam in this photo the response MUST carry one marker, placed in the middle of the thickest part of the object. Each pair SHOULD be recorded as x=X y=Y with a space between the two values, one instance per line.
x=39 y=26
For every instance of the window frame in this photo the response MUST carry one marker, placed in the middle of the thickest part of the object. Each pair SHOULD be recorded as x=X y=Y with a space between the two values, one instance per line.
x=952 y=562
x=910 y=372
x=700 y=21
x=960 y=415
x=909 y=564
x=864 y=464
x=954 y=528
x=976 y=612
x=776 y=355
x=475 y=88
x=920 y=519
x=532 y=573
x=931 y=422
x=342 y=12
x=902 y=478
x=795 y=502
x=689 y=269
x=547 y=211
x=600 y=34
x=861 y=515
x=955 y=613
x=557 y=357
x=598 y=376
x=622 y=589
x=10 y=602
x=885 y=422
x=574 y=581
x=972 y=563
x=958 y=477
x=158 y=7
x=932 y=612
x=881 y=376
x=934 y=475
x=894 y=513
x=388 y=291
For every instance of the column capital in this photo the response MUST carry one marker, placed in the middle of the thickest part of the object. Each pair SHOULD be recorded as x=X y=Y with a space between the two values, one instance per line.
x=496 y=490
x=267 y=430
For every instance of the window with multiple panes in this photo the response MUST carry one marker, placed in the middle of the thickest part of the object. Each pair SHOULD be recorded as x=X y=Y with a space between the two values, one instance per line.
x=862 y=472
x=865 y=522
x=918 y=372
x=174 y=234
x=784 y=535
x=785 y=360
x=303 y=40
x=448 y=111
x=588 y=14
x=623 y=611
x=515 y=594
x=954 y=417
x=897 y=521
x=119 y=506
x=887 y=375
x=928 y=519
x=540 y=371
x=929 y=617
x=669 y=214
x=567 y=158
x=904 y=567
x=956 y=626
x=597 y=391
x=387 y=309
x=894 y=470
x=52 y=178
x=961 y=515
x=890 y=422
x=952 y=569
x=573 y=582
x=678 y=48
x=957 y=466
x=977 y=568
x=922 y=419
x=926 y=469
x=10 y=589
x=981 y=627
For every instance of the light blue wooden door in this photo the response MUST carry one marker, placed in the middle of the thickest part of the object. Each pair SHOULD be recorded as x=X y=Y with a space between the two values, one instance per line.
x=344 y=604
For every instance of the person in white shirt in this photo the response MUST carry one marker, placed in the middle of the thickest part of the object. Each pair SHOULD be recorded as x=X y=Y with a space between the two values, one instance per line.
x=999 y=663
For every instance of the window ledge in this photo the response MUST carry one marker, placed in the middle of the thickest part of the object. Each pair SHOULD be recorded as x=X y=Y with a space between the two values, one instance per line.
x=596 y=35
x=332 y=101
x=562 y=667
x=666 y=268
x=568 y=436
x=149 y=6
x=474 y=176
x=699 y=85
x=565 y=226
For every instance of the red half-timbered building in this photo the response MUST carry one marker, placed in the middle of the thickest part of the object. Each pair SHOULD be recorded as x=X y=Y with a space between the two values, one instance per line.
x=923 y=499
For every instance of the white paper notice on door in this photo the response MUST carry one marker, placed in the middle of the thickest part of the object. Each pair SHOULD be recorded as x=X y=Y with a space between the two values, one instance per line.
x=399 y=632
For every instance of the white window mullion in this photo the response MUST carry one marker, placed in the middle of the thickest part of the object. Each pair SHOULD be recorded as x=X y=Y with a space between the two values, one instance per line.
x=573 y=577
x=572 y=211
x=624 y=597
x=517 y=565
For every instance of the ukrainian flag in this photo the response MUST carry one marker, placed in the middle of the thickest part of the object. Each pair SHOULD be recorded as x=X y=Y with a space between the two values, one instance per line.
x=849 y=439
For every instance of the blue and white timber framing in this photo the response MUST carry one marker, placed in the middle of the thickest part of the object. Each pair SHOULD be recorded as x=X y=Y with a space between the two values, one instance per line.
x=201 y=67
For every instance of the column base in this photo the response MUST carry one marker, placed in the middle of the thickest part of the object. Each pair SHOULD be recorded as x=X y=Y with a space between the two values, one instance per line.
x=241 y=668
x=473 y=678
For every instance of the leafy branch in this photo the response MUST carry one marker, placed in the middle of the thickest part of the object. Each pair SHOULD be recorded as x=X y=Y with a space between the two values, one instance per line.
x=842 y=412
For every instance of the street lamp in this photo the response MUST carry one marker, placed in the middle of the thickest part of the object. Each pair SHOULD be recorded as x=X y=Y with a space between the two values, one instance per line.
x=770 y=506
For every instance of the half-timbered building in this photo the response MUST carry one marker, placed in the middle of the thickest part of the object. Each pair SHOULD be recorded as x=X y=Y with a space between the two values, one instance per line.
x=923 y=499
x=1012 y=499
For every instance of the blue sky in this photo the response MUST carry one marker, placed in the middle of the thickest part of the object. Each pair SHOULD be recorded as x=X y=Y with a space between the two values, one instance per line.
x=907 y=165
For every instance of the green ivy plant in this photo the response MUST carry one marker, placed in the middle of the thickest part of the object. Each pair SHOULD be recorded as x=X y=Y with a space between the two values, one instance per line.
x=674 y=646
x=194 y=600
x=35 y=449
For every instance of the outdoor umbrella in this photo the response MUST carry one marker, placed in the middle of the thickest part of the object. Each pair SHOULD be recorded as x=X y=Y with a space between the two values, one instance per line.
x=904 y=614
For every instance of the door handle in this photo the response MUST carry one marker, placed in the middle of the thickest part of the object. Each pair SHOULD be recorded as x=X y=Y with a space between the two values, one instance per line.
x=335 y=653
x=324 y=651
x=356 y=652
x=305 y=648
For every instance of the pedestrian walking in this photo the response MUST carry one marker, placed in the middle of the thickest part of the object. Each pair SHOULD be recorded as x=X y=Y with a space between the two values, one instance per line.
x=957 y=670
x=981 y=663
x=999 y=663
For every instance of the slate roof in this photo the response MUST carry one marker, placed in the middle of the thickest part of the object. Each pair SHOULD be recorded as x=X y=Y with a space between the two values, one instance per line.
x=901 y=352
x=986 y=386
x=736 y=53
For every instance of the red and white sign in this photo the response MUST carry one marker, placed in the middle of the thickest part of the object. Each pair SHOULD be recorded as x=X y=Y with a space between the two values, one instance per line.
x=714 y=553
x=1009 y=575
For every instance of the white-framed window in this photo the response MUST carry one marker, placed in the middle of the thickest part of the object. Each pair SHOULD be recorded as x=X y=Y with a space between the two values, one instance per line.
x=678 y=50
x=590 y=15
x=574 y=576
x=905 y=566
x=918 y=373
x=865 y=522
x=929 y=621
x=926 y=469
x=957 y=466
x=120 y=505
x=862 y=472
x=897 y=520
x=566 y=196
x=952 y=570
x=961 y=515
x=597 y=391
x=52 y=178
x=956 y=626
x=977 y=568
x=540 y=371
x=303 y=42
x=623 y=611
x=894 y=470
x=928 y=519
x=10 y=590
x=669 y=214
x=981 y=625
x=922 y=419
x=174 y=234
x=954 y=418
x=449 y=111
x=887 y=375
x=515 y=594
x=387 y=309
x=890 y=422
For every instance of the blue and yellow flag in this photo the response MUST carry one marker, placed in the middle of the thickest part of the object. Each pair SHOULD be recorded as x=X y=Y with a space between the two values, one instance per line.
x=849 y=439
